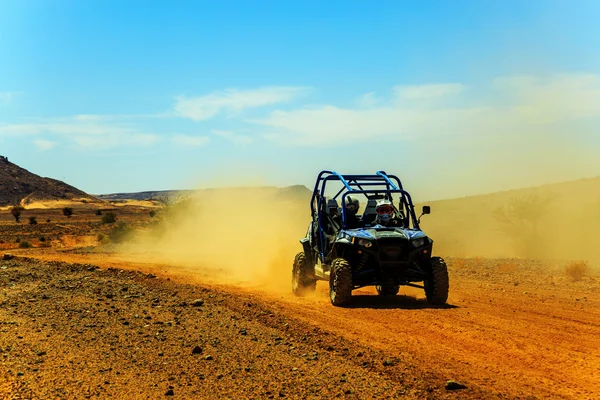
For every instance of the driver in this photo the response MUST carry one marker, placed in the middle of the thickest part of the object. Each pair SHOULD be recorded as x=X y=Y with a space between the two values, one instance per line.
x=352 y=206
x=386 y=214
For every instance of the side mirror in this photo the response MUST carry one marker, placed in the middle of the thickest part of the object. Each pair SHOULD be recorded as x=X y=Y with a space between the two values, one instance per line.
x=426 y=210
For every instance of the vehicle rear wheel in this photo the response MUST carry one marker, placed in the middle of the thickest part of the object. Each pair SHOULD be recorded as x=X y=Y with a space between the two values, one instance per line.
x=340 y=282
x=388 y=290
x=302 y=282
x=437 y=283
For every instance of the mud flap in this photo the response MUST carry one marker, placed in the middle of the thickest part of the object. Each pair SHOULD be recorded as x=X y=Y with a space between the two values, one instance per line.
x=308 y=255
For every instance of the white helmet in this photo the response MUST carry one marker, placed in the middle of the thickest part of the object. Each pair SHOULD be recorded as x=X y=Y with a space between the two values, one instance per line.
x=385 y=210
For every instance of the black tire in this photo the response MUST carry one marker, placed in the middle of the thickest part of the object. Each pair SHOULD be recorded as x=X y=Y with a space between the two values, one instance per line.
x=302 y=282
x=388 y=290
x=437 y=283
x=340 y=282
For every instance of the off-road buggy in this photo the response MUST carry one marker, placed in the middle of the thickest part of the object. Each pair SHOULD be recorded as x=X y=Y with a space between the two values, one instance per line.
x=370 y=255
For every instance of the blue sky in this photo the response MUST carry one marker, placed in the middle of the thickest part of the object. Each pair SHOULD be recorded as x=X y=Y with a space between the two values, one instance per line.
x=456 y=97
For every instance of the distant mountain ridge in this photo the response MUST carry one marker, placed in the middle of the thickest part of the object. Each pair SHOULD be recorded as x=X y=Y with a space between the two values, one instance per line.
x=293 y=193
x=19 y=186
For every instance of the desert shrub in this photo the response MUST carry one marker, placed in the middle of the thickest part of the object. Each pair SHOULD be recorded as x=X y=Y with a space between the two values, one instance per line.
x=152 y=213
x=520 y=220
x=98 y=212
x=47 y=219
x=102 y=238
x=68 y=211
x=16 y=212
x=109 y=218
x=120 y=233
x=32 y=221
x=42 y=238
x=18 y=240
x=577 y=270
x=25 y=245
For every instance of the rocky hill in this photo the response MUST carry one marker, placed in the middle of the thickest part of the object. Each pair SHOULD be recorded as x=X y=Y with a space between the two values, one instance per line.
x=19 y=186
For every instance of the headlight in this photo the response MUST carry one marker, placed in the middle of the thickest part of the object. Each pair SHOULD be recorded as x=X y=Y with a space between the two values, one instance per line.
x=418 y=242
x=364 y=243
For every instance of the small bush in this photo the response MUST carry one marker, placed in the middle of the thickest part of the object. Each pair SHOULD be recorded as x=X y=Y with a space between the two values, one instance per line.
x=25 y=245
x=42 y=238
x=109 y=218
x=98 y=212
x=16 y=212
x=47 y=219
x=68 y=211
x=577 y=270
x=120 y=233
x=103 y=239
x=32 y=221
x=152 y=213
x=18 y=240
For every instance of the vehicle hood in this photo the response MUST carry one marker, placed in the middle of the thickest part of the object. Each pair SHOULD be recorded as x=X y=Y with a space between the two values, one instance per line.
x=378 y=232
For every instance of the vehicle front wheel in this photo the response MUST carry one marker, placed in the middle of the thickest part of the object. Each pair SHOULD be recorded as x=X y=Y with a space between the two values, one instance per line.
x=388 y=290
x=340 y=282
x=302 y=282
x=437 y=283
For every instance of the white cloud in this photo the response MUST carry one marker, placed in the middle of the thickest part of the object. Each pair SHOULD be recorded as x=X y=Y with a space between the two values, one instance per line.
x=115 y=140
x=238 y=140
x=419 y=92
x=43 y=144
x=84 y=132
x=561 y=97
x=231 y=101
x=368 y=100
x=67 y=127
x=533 y=106
x=186 y=140
x=7 y=97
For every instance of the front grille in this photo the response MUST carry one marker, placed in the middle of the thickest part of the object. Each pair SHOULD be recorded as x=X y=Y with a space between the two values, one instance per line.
x=392 y=249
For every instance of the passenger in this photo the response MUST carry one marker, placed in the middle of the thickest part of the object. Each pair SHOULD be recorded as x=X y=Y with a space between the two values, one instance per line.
x=386 y=215
x=352 y=206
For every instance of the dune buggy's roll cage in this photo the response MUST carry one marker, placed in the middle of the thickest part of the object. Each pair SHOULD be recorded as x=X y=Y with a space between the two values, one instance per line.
x=358 y=184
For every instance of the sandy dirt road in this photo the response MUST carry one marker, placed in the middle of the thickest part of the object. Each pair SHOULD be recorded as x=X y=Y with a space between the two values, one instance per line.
x=511 y=330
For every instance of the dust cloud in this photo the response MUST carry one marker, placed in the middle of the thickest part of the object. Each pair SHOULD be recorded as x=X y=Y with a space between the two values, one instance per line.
x=249 y=236
x=554 y=222
x=243 y=236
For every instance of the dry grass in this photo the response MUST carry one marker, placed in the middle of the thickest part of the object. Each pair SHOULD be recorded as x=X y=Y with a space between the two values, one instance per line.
x=577 y=270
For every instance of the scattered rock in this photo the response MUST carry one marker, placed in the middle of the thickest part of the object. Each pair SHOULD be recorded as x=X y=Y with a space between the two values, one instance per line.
x=198 y=302
x=7 y=256
x=41 y=353
x=208 y=357
x=20 y=373
x=453 y=385
x=388 y=363
x=169 y=392
x=197 y=350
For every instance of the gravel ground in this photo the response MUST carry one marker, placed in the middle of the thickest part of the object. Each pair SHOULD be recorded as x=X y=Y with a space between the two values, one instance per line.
x=77 y=331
